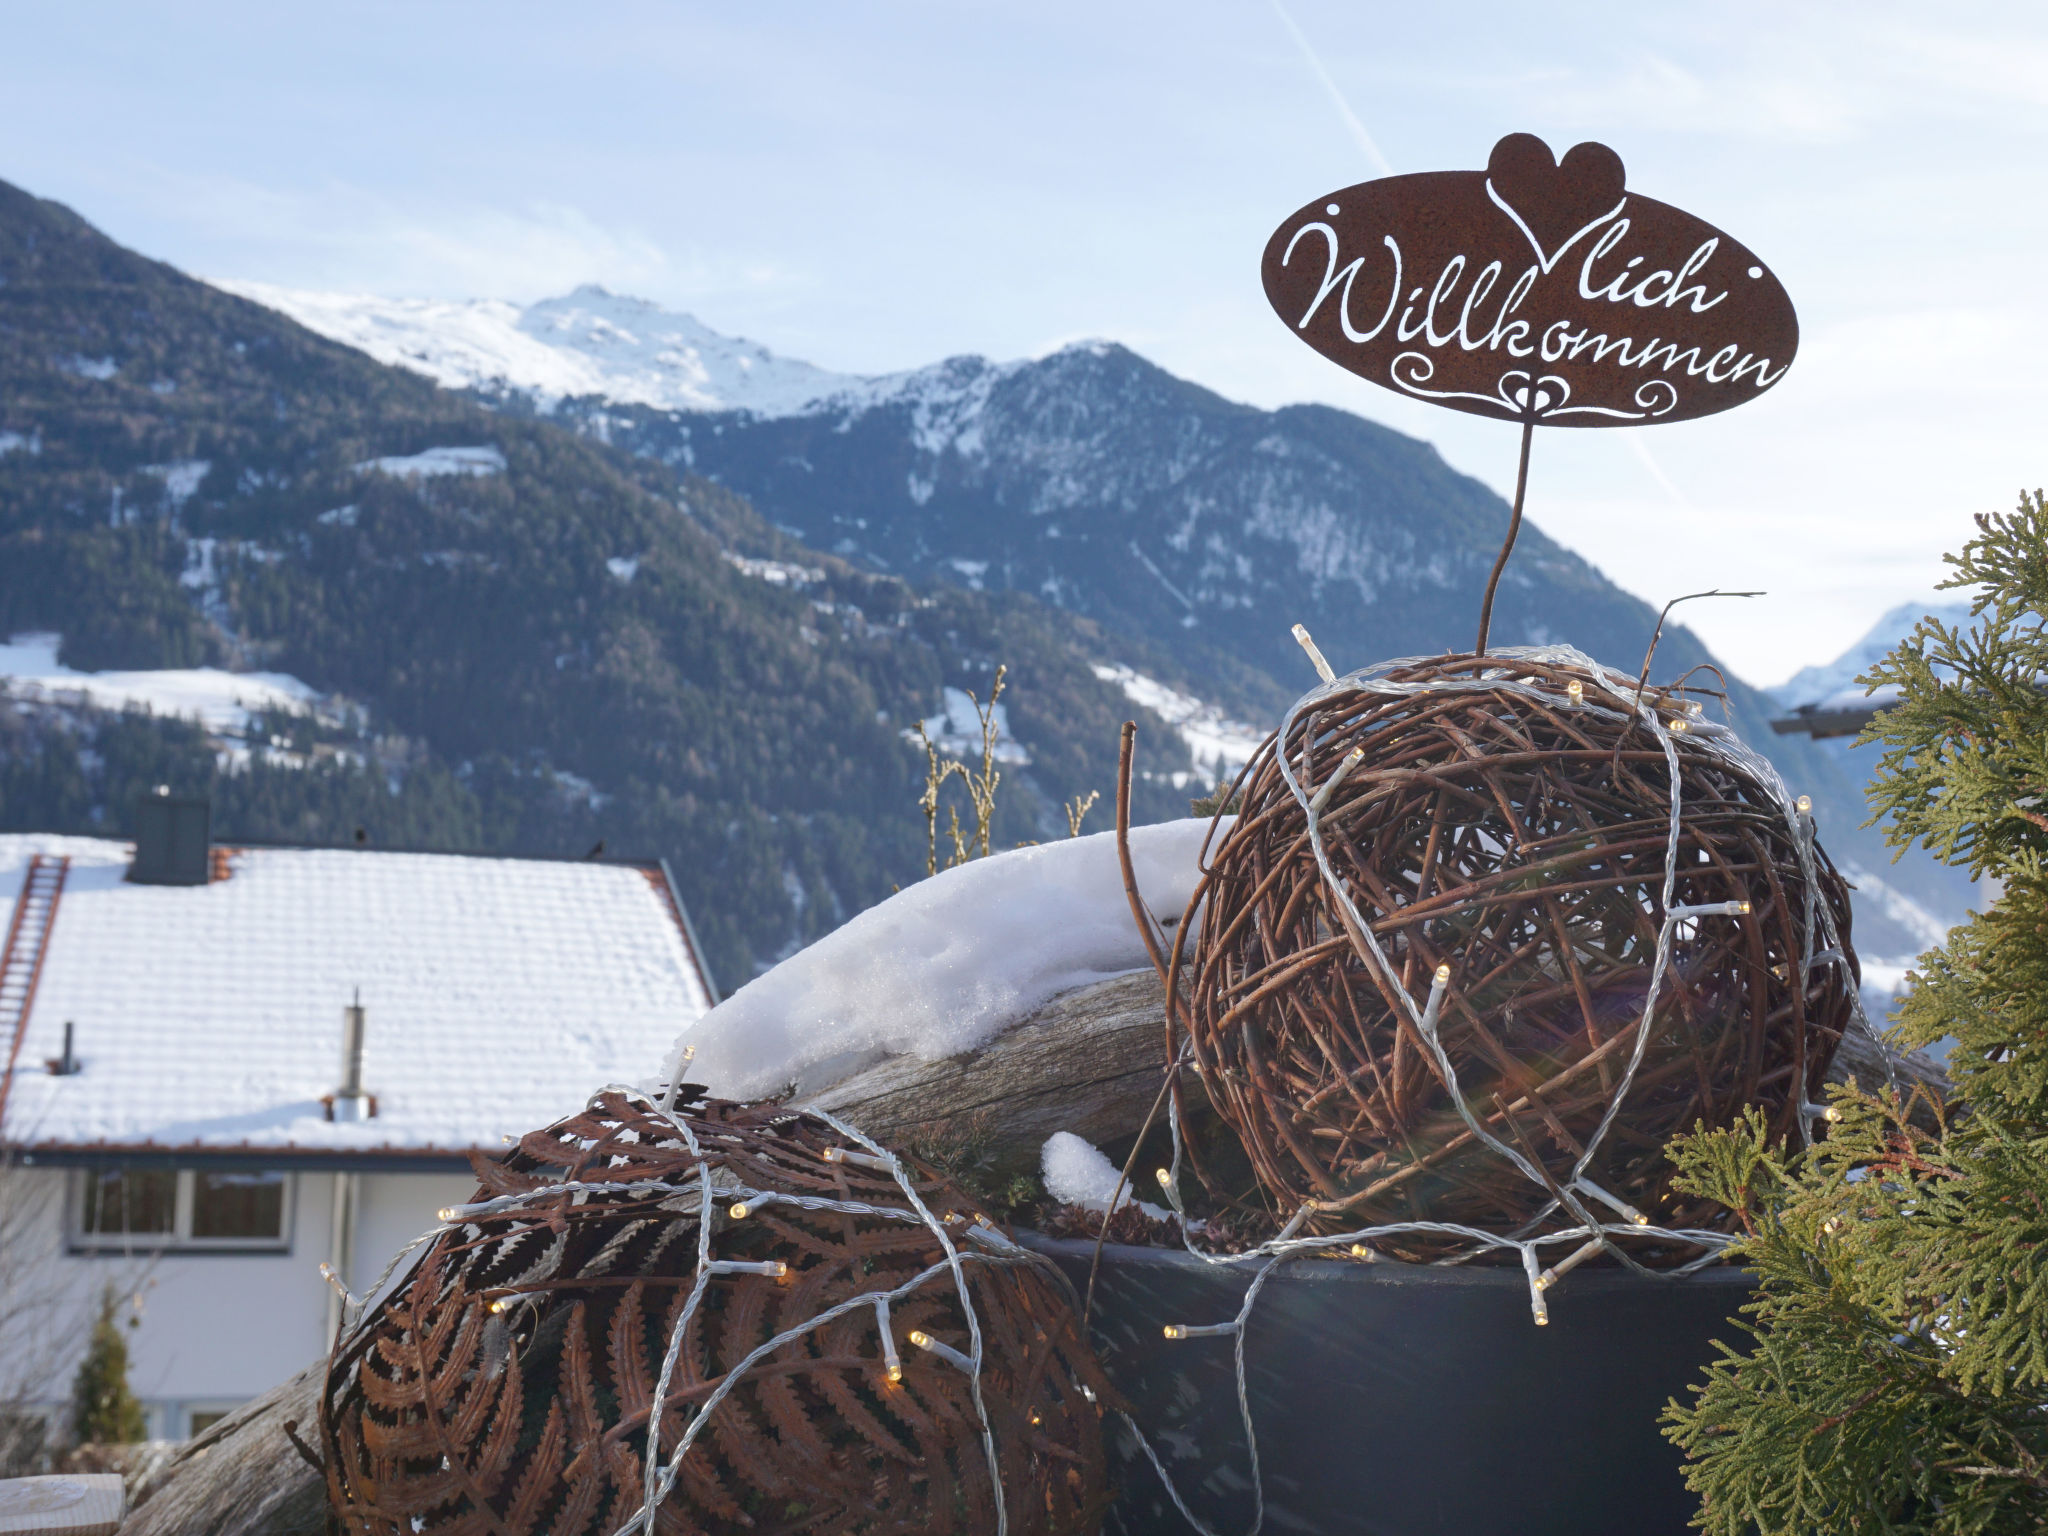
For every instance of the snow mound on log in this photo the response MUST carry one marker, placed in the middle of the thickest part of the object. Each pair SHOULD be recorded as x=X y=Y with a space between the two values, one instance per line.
x=1076 y=1173
x=944 y=966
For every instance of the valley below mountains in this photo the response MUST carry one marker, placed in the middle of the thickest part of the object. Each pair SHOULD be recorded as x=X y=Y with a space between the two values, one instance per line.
x=586 y=576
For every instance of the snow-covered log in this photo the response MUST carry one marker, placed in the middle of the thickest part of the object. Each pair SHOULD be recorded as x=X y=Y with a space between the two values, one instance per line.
x=1014 y=990
x=1088 y=1062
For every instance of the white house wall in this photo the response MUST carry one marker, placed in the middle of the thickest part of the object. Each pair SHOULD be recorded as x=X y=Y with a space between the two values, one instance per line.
x=216 y=1329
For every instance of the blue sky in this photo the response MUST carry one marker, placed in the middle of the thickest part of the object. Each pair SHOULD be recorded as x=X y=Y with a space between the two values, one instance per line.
x=875 y=186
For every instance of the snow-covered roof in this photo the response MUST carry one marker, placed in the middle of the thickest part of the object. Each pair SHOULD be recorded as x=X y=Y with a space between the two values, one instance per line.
x=499 y=994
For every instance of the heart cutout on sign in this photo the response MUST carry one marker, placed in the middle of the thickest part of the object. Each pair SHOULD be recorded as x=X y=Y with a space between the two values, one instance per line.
x=1554 y=203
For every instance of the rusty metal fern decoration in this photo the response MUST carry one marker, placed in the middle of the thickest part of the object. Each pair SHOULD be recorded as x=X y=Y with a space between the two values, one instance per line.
x=816 y=1335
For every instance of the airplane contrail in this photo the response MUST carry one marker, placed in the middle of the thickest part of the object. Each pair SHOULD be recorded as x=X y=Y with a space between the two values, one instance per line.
x=1359 y=135
x=1642 y=452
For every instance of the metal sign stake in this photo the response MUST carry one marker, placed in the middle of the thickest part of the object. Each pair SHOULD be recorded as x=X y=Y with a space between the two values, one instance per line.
x=1507 y=547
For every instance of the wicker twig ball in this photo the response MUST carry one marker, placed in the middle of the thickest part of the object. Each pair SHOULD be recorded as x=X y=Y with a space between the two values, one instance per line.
x=506 y=1385
x=1499 y=832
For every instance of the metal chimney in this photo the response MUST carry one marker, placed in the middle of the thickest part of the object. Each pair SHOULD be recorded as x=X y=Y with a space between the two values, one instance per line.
x=173 y=839
x=350 y=1102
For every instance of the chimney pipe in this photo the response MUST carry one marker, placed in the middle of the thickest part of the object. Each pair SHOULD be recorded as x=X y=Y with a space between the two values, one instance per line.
x=173 y=839
x=350 y=1102
x=67 y=1064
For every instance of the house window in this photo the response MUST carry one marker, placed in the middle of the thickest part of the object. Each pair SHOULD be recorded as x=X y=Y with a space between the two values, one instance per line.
x=184 y=1208
x=129 y=1202
x=237 y=1206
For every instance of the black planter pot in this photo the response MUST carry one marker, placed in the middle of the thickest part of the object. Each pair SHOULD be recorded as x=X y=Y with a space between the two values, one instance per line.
x=1399 y=1401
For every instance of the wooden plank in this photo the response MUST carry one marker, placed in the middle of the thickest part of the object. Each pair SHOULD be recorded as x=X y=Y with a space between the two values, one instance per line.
x=68 y=1504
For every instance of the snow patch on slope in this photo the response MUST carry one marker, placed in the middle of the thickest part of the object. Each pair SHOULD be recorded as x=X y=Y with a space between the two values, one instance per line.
x=777 y=573
x=221 y=701
x=956 y=730
x=1915 y=918
x=433 y=462
x=181 y=479
x=1218 y=745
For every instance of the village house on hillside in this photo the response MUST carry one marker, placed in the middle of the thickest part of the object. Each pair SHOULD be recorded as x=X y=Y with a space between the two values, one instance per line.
x=226 y=1066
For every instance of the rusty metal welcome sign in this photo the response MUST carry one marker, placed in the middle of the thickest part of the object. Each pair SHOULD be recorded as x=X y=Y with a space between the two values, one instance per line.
x=1533 y=291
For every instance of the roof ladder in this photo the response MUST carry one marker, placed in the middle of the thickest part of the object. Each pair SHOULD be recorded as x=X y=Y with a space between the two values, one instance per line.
x=21 y=960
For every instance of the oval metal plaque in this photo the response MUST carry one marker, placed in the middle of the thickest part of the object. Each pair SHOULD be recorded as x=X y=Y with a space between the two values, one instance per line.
x=1532 y=291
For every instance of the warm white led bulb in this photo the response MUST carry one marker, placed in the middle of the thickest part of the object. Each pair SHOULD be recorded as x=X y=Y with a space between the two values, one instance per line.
x=1165 y=1178
x=1678 y=726
x=834 y=1155
x=1176 y=1330
x=1742 y=908
x=1576 y=691
x=501 y=1303
x=446 y=1213
x=1805 y=803
x=1443 y=975
x=919 y=1339
x=737 y=1210
x=1360 y=1251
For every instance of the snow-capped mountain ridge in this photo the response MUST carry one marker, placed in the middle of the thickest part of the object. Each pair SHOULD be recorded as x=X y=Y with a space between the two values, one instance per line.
x=593 y=343
x=589 y=342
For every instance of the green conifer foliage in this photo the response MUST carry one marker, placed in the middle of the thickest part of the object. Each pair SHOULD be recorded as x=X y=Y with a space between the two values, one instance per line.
x=103 y=1410
x=1897 y=1367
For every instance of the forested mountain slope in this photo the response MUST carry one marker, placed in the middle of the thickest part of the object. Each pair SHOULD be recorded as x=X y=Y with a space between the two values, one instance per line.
x=546 y=638
x=1203 y=529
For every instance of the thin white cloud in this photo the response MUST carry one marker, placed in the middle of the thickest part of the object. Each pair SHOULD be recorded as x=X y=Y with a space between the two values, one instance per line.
x=1741 y=98
x=351 y=236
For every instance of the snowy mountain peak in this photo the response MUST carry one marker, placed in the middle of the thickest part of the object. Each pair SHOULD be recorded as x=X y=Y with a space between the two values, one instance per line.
x=1811 y=685
x=626 y=351
x=588 y=342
